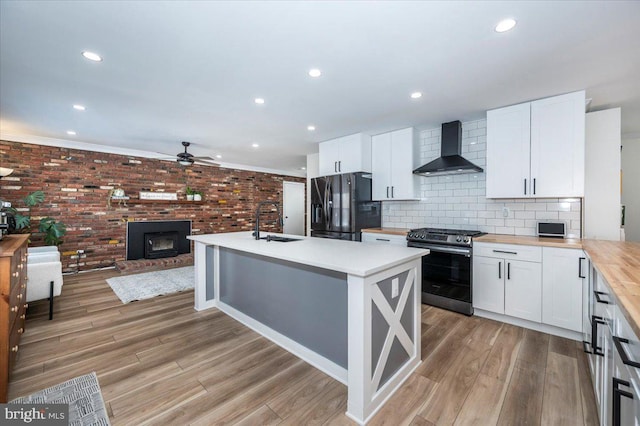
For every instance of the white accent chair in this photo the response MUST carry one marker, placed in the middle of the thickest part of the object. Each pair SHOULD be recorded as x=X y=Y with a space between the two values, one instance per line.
x=44 y=271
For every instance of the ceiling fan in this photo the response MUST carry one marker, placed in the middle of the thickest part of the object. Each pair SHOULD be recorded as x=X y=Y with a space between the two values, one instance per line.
x=187 y=159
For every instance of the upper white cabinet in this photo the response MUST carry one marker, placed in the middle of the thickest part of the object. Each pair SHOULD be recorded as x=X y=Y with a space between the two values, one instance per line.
x=392 y=162
x=348 y=154
x=537 y=149
x=563 y=271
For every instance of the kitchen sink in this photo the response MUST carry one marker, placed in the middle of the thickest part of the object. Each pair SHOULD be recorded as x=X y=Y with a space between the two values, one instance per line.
x=279 y=239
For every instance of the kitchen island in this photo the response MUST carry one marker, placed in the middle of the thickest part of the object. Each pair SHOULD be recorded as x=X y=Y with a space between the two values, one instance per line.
x=350 y=309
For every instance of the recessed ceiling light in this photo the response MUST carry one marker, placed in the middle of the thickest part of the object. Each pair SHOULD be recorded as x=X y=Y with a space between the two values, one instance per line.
x=218 y=156
x=303 y=168
x=71 y=132
x=255 y=145
x=416 y=95
x=505 y=25
x=79 y=107
x=259 y=101
x=315 y=72
x=92 y=56
x=311 y=128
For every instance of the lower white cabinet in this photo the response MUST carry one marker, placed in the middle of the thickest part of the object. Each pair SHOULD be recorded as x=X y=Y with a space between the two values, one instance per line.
x=614 y=356
x=563 y=273
x=378 y=238
x=504 y=284
x=522 y=288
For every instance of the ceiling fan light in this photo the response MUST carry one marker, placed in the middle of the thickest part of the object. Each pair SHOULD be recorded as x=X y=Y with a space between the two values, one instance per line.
x=185 y=161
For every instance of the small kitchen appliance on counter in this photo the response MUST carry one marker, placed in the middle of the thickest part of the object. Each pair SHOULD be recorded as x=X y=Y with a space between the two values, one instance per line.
x=447 y=275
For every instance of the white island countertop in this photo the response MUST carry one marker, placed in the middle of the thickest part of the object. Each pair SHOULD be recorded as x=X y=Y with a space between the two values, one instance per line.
x=350 y=257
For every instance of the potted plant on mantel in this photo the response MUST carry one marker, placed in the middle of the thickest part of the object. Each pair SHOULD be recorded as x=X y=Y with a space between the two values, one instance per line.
x=190 y=193
x=53 y=230
x=193 y=195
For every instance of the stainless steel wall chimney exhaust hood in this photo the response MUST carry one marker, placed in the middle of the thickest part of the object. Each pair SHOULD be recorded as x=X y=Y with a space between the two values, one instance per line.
x=450 y=161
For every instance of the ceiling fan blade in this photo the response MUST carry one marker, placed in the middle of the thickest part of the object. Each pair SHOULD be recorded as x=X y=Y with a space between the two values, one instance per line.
x=204 y=158
x=206 y=163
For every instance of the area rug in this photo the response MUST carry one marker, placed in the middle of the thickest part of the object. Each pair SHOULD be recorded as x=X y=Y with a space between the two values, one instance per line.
x=86 y=406
x=151 y=284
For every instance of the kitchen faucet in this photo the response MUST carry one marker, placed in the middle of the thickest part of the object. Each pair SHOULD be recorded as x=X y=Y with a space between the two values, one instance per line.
x=256 y=233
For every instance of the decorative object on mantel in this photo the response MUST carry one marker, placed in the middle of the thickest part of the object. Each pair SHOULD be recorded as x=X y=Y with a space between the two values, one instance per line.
x=117 y=194
x=129 y=288
x=193 y=195
x=148 y=195
x=83 y=394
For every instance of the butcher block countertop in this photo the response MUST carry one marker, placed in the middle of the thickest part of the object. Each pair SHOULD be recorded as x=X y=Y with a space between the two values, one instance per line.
x=619 y=264
x=391 y=231
x=574 y=243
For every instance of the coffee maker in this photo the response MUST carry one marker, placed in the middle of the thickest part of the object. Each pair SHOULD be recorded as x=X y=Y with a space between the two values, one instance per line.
x=7 y=221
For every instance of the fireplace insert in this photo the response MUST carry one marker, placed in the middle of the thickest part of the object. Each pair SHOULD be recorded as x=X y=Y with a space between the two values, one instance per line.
x=160 y=244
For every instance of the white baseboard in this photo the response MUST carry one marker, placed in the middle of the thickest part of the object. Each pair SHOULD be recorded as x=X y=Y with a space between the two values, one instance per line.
x=545 y=328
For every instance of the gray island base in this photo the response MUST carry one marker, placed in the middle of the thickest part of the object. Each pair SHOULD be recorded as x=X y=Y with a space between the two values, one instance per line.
x=349 y=309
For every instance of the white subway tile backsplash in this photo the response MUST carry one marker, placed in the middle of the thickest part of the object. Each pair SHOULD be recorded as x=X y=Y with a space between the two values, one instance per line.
x=458 y=201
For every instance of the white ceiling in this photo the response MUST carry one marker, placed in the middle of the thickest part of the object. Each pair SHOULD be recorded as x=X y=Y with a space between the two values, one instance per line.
x=175 y=71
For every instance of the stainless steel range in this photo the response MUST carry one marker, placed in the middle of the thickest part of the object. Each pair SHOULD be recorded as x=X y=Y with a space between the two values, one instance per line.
x=447 y=275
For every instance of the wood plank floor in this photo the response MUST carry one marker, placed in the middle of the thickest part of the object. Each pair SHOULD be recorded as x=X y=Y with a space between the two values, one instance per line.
x=160 y=362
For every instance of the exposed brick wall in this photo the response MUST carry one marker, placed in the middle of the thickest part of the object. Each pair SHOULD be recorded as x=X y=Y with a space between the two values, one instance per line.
x=77 y=183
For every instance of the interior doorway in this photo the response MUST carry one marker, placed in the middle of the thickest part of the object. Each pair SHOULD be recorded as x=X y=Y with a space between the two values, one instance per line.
x=293 y=207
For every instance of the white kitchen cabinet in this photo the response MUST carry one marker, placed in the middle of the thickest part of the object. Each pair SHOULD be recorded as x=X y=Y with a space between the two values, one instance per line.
x=537 y=149
x=522 y=290
x=488 y=284
x=507 y=279
x=348 y=154
x=508 y=151
x=562 y=283
x=393 y=158
x=379 y=238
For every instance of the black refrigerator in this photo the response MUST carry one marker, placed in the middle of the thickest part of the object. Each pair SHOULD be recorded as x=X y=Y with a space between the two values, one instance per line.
x=341 y=206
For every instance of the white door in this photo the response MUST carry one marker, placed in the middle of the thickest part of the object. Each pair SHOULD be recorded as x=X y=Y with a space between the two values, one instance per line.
x=402 y=177
x=562 y=288
x=523 y=290
x=328 y=159
x=381 y=166
x=557 y=146
x=508 y=144
x=293 y=207
x=488 y=284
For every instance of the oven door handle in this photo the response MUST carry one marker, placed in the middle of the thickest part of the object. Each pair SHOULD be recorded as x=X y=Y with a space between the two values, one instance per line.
x=441 y=249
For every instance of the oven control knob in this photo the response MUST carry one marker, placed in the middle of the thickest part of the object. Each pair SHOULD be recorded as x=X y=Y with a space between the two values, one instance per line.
x=467 y=239
x=458 y=238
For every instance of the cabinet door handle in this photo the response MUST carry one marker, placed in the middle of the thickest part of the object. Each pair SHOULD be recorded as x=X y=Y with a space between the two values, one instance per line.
x=534 y=186
x=506 y=252
x=580 y=267
x=335 y=166
x=382 y=239
x=594 y=335
x=499 y=270
x=598 y=299
x=387 y=192
x=392 y=192
x=525 y=186
x=339 y=166
x=617 y=396
x=623 y=355
x=508 y=270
